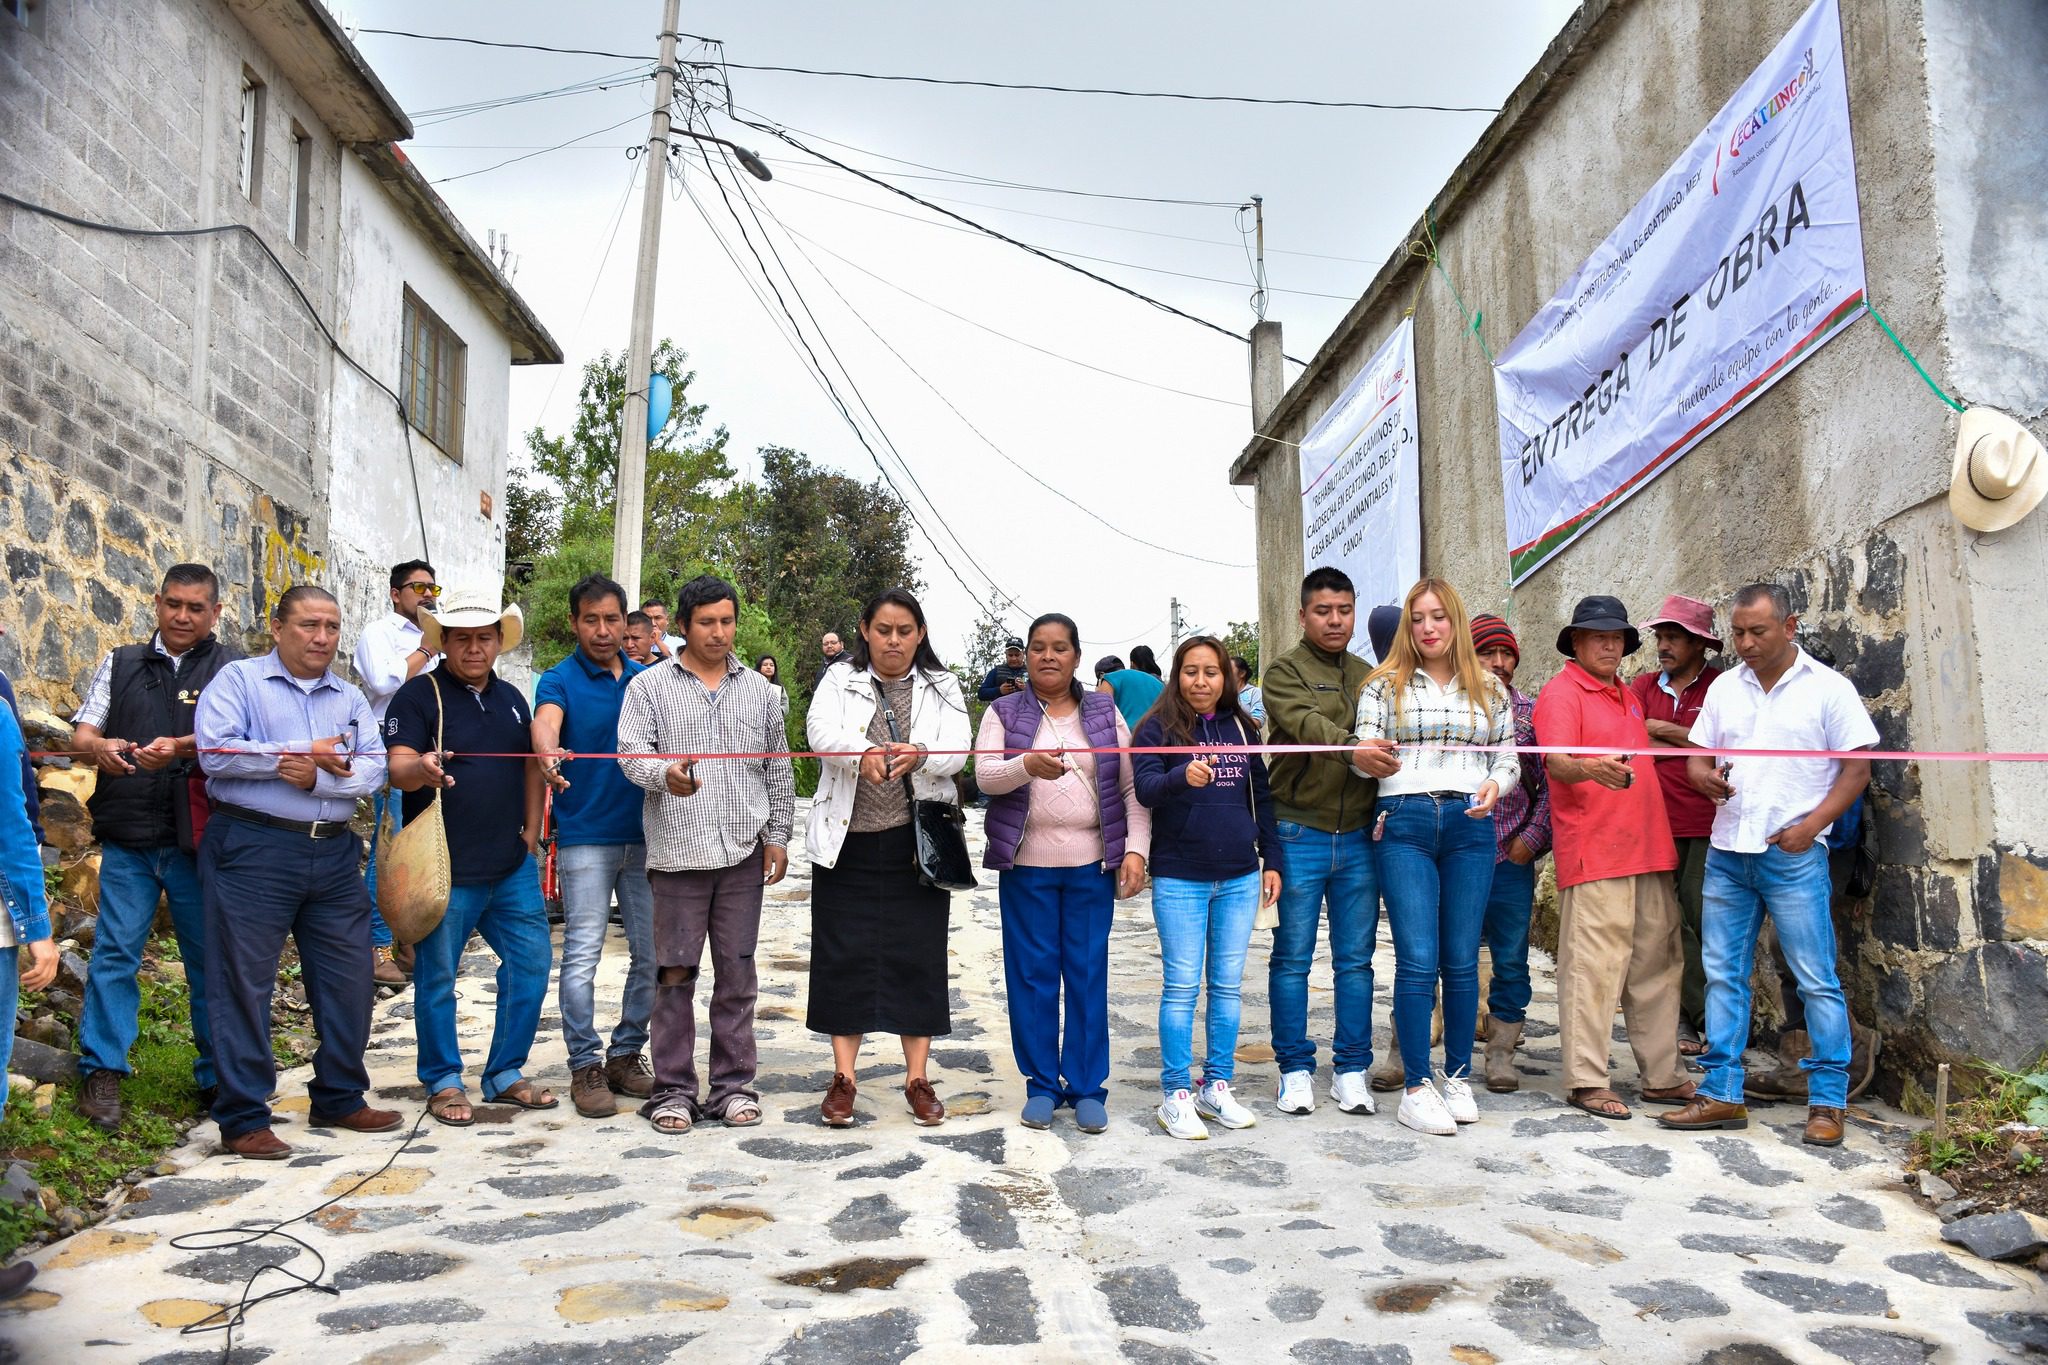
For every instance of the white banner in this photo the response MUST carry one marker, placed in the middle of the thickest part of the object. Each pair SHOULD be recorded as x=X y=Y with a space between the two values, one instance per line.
x=1359 y=476
x=1737 y=265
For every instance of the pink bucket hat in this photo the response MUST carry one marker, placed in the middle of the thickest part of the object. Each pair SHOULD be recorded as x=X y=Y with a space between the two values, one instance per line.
x=1688 y=614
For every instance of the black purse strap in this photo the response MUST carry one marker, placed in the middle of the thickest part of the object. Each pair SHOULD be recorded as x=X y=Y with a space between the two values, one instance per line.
x=895 y=734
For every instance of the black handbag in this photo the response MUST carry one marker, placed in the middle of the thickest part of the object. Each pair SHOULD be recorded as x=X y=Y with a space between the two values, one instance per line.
x=940 y=828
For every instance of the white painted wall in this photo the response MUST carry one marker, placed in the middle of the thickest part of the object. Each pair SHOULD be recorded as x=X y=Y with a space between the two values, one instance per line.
x=374 y=521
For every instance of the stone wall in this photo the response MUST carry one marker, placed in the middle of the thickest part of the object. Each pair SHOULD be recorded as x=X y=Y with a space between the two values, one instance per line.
x=1832 y=482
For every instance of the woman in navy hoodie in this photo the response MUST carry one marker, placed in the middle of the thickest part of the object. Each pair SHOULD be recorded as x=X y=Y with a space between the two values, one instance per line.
x=1212 y=826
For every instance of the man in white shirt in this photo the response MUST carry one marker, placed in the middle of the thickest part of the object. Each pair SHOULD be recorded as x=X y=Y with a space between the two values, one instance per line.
x=656 y=611
x=391 y=652
x=1769 y=856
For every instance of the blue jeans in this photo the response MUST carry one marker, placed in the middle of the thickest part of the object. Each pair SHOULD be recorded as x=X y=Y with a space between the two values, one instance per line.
x=512 y=919
x=1436 y=864
x=1201 y=921
x=1318 y=866
x=131 y=879
x=1793 y=888
x=1055 y=933
x=1509 y=903
x=589 y=875
x=380 y=932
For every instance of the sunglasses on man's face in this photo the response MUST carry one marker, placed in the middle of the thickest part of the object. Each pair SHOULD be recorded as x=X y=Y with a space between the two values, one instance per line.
x=426 y=589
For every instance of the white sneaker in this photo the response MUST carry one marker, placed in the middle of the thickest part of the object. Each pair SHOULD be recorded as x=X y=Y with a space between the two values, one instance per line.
x=1423 y=1110
x=1214 y=1101
x=1351 y=1094
x=1458 y=1099
x=1178 y=1117
x=1297 y=1093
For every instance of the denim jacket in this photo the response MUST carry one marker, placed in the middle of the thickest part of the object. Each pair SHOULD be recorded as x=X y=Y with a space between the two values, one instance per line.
x=21 y=863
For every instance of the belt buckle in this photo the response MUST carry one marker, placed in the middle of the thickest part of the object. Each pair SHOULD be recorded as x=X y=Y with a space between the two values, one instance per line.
x=313 y=832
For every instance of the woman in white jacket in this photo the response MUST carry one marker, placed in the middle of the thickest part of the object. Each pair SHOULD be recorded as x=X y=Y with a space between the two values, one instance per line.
x=888 y=712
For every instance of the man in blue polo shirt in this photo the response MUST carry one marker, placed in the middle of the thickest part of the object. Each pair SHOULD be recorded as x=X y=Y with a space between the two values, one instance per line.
x=462 y=736
x=600 y=848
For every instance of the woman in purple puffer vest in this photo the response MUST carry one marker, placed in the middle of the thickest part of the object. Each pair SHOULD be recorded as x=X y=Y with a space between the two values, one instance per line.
x=1068 y=838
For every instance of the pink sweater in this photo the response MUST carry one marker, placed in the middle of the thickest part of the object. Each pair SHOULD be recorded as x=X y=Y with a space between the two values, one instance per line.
x=1063 y=829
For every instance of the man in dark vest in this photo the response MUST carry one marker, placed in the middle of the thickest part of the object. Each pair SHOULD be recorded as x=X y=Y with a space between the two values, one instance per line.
x=137 y=724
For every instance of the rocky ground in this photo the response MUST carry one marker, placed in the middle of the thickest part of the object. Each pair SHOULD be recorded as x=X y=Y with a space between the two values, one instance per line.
x=1540 y=1234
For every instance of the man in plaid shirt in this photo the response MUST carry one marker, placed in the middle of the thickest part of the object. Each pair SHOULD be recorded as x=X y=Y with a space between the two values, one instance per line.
x=1521 y=832
x=717 y=832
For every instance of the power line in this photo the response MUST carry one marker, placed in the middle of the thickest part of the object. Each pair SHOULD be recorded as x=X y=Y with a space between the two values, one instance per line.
x=992 y=181
x=817 y=368
x=523 y=47
x=576 y=333
x=1063 y=255
x=1110 y=90
x=982 y=436
x=633 y=117
x=833 y=351
x=1005 y=237
x=432 y=118
x=1015 y=341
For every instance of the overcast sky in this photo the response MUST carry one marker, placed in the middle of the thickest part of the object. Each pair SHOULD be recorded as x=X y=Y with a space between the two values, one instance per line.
x=1340 y=187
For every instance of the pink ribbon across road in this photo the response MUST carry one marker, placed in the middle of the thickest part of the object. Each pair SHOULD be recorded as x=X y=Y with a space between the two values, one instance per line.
x=1660 y=752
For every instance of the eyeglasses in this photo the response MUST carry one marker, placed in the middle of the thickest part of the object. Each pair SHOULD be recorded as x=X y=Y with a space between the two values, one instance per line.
x=426 y=589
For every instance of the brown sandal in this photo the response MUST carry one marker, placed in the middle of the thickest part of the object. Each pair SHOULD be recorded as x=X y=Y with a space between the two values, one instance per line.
x=525 y=1094
x=1677 y=1094
x=1601 y=1103
x=441 y=1101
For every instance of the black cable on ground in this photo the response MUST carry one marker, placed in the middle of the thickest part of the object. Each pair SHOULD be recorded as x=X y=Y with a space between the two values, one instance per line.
x=249 y=1234
x=223 y=229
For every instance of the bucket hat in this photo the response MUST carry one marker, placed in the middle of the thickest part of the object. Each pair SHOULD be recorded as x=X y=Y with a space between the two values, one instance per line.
x=1600 y=613
x=1689 y=614
x=468 y=608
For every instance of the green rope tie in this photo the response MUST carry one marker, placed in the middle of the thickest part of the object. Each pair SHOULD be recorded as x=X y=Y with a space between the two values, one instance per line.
x=1915 y=360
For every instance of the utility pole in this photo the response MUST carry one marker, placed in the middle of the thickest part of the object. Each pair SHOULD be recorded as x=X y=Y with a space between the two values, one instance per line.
x=1173 y=622
x=630 y=498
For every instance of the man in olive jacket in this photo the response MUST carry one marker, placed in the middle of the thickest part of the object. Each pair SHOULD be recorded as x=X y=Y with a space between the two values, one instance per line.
x=1324 y=811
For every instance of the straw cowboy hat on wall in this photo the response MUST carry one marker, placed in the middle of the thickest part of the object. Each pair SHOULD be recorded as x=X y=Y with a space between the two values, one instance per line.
x=2000 y=474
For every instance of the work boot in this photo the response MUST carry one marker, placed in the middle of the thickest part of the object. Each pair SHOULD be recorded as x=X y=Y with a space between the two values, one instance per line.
x=384 y=971
x=1823 y=1126
x=401 y=958
x=1501 y=1040
x=1705 y=1114
x=1481 y=1029
x=591 y=1093
x=1788 y=1081
x=258 y=1145
x=99 y=1099
x=630 y=1075
x=1864 y=1045
x=1390 y=1074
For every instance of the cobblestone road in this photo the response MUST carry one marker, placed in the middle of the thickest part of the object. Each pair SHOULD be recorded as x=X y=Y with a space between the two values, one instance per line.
x=1540 y=1234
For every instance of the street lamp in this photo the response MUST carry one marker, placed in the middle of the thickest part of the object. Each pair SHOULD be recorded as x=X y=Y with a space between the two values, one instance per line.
x=755 y=166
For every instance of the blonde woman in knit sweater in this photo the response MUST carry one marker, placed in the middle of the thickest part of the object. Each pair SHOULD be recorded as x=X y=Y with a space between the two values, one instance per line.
x=1434 y=829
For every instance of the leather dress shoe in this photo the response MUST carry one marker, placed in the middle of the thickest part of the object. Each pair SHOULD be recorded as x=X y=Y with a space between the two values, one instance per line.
x=258 y=1144
x=924 y=1103
x=837 y=1110
x=363 y=1120
x=99 y=1099
x=1704 y=1114
x=1823 y=1126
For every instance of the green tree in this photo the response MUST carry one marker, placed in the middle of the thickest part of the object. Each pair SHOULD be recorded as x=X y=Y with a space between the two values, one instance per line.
x=1242 y=640
x=817 y=545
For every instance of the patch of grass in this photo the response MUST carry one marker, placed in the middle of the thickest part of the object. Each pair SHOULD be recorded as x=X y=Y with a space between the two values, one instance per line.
x=77 y=1162
x=1983 y=1155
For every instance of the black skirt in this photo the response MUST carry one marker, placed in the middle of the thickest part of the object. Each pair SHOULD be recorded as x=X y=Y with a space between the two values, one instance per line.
x=878 y=942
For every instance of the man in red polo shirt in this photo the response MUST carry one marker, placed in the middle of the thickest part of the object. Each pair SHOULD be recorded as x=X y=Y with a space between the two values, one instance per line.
x=1617 y=938
x=1671 y=697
